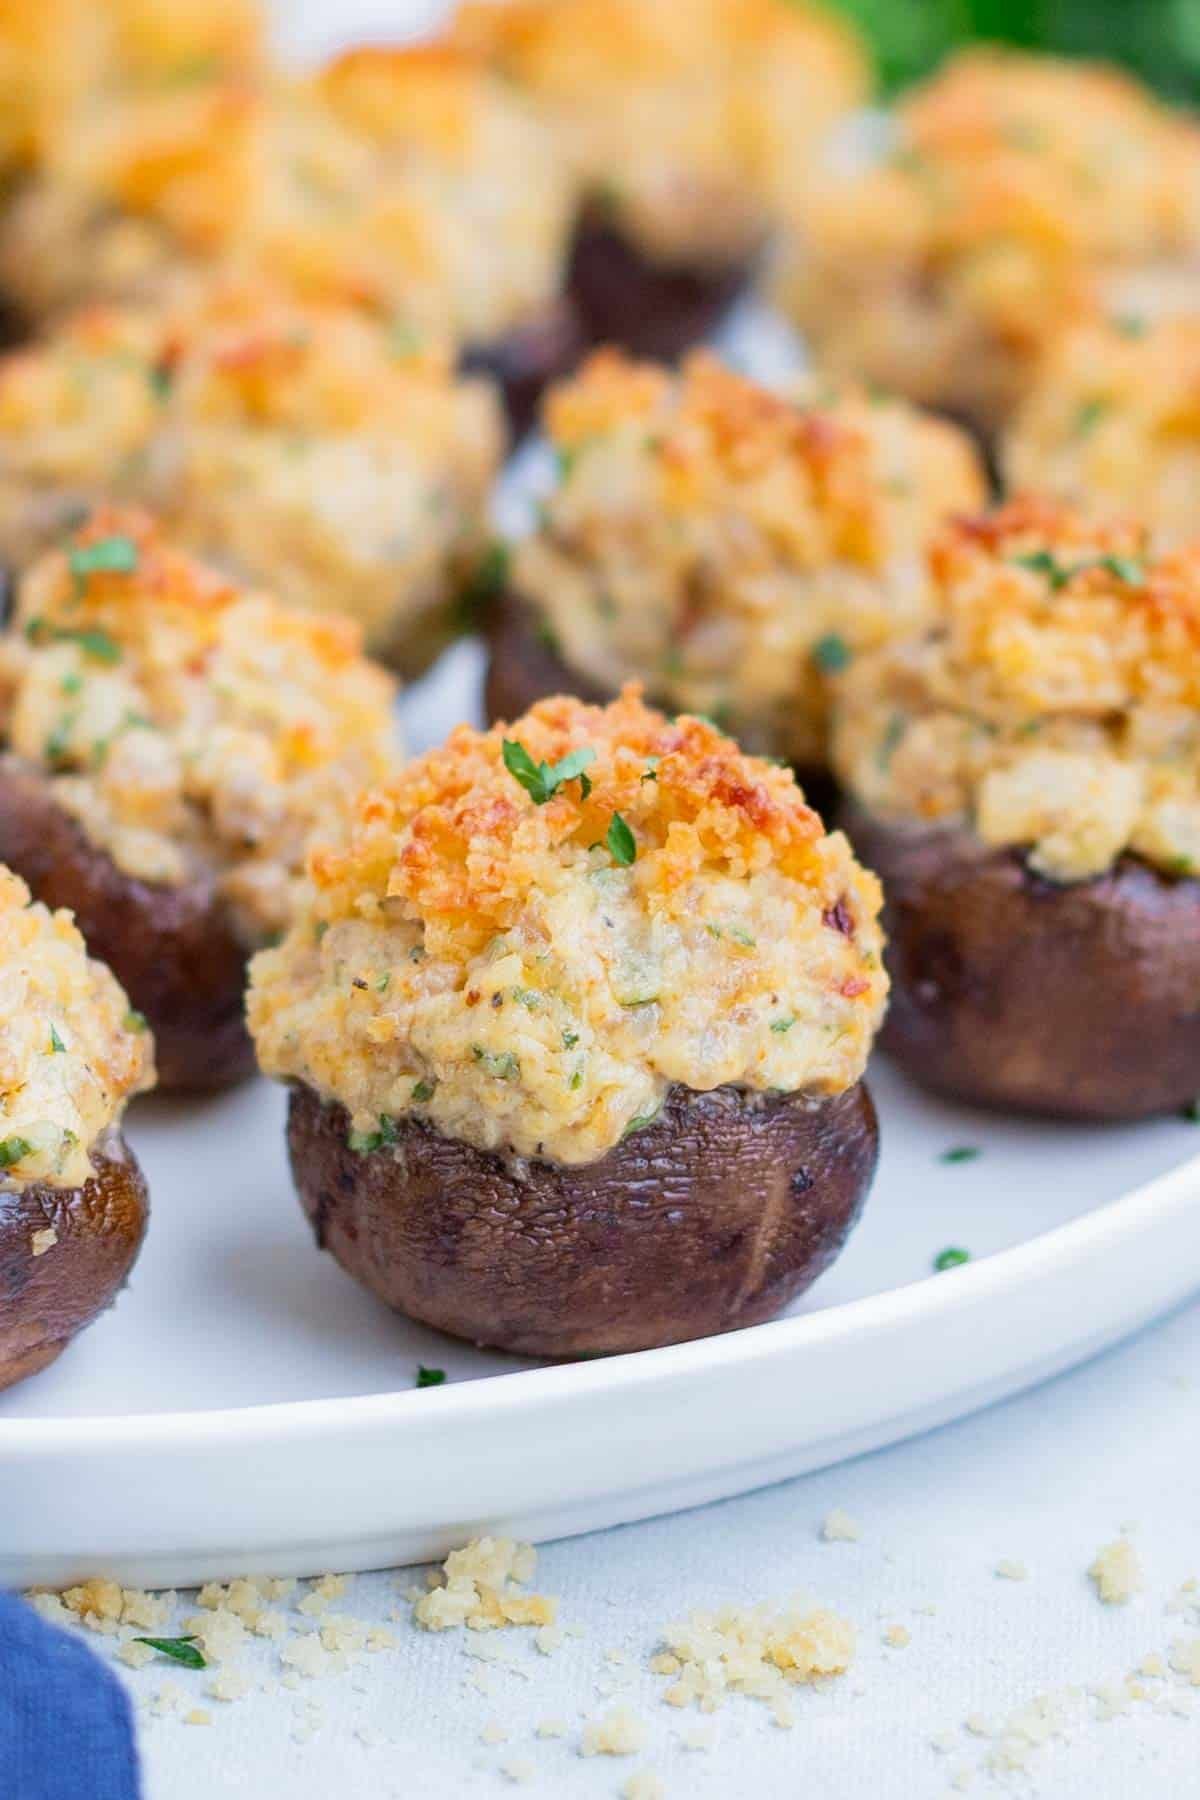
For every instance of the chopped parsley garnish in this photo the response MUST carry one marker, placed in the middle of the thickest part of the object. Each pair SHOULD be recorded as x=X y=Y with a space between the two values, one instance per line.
x=12 y=1149
x=423 y=1090
x=951 y=1258
x=1089 y=415
x=503 y=1064
x=179 y=1649
x=97 y=644
x=384 y=982
x=57 y=1047
x=107 y=556
x=429 y=1377
x=542 y=781
x=134 y=1020
x=779 y=1026
x=70 y=684
x=160 y=379
x=637 y=1124
x=1042 y=562
x=960 y=1153
x=831 y=653
x=570 y=1039
x=1125 y=568
x=364 y=1142
x=57 y=744
x=622 y=845
x=576 y=1081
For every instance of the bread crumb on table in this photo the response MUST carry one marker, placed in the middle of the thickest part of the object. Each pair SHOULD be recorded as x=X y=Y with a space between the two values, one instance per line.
x=519 y=1770
x=839 y=1528
x=199 y=1715
x=642 y=1785
x=1117 y=1572
x=41 y=1241
x=494 y=1732
x=135 y=1655
x=752 y=1651
x=619 y=1733
x=1007 y=1569
x=552 y=1728
x=477 y=1587
x=897 y=1637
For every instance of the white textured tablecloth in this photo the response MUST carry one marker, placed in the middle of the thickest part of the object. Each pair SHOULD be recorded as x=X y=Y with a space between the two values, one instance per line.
x=1044 y=1480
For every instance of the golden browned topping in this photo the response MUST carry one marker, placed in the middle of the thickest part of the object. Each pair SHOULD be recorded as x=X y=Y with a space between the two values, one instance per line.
x=190 y=726
x=71 y=1051
x=530 y=934
x=310 y=447
x=1113 y=423
x=691 y=122
x=1018 y=192
x=732 y=546
x=1054 y=703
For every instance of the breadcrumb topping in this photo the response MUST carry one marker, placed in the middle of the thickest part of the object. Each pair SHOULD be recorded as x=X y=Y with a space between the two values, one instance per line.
x=480 y=1587
x=71 y=1051
x=1019 y=192
x=1054 y=702
x=1117 y=1572
x=687 y=122
x=192 y=728
x=753 y=1651
x=531 y=963
x=326 y=454
x=732 y=546
x=1113 y=423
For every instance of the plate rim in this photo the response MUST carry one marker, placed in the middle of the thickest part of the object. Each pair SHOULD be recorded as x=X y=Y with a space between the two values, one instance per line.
x=555 y=1383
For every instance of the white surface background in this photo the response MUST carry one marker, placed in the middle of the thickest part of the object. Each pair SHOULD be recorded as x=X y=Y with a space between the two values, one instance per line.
x=1045 y=1479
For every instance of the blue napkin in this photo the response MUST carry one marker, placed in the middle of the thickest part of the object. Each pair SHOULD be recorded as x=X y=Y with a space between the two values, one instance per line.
x=66 y=1732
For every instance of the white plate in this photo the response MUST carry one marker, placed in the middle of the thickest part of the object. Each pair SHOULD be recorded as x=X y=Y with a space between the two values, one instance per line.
x=246 y=1407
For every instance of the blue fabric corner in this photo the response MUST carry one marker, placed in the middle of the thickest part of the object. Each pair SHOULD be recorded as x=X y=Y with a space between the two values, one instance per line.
x=66 y=1731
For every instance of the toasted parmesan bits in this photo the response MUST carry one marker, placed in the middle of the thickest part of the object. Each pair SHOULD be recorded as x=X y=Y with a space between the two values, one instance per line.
x=191 y=728
x=1113 y=424
x=531 y=934
x=71 y=1052
x=688 y=123
x=1018 y=193
x=1054 y=703
x=314 y=449
x=733 y=547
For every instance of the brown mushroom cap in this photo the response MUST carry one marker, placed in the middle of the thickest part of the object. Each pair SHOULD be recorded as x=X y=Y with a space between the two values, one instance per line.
x=652 y=308
x=1077 y=1001
x=47 y=1298
x=173 y=949
x=714 y=1216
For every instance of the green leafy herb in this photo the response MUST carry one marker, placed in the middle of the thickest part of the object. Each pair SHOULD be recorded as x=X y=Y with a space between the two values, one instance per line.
x=429 y=1377
x=500 y=1063
x=779 y=1026
x=57 y=1047
x=107 y=556
x=384 y=982
x=576 y=1081
x=542 y=781
x=423 y=1090
x=1090 y=415
x=71 y=684
x=1043 y=562
x=179 y=1649
x=58 y=743
x=1125 y=568
x=951 y=1258
x=831 y=653
x=740 y=935
x=622 y=845
x=364 y=1142
x=159 y=378
x=135 y=1021
x=961 y=1153
x=642 y=1120
x=570 y=1039
x=97 y=644
x=12 y=1149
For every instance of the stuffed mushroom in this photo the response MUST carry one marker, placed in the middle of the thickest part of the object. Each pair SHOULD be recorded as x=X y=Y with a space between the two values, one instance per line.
x=731 y=547
x=307 y=447
x=1112 y=423
x=1025 y=779
x=73 y=1204
x=1017 y=194
x=172 y=742
x=689 y=126
x=575 y=1024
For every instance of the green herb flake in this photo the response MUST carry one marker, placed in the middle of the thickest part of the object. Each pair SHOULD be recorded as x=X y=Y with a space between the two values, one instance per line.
x=12 y=1149
x=831 y=653
x=780 y=1026
x=423 y=1091
x=363 y=1143
x=70 y=684
x=503 y=1064
x=576 y=1081
x=384 y=983
x=542 y=781
x=960 y=1153
x=638 y=1124
x=1042 y=562
x=179 y=1649
x=740 y=935
x=135 y=1021
x=159 y=377
x=950 y=1258
x=57 y=1047
x=570 y=1039
x=107 y=556
x=429 y=1377
x=1125 y=568
x=622 y=845
x=1089 y=416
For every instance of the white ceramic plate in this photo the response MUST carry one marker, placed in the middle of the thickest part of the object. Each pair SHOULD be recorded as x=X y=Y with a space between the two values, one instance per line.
x=246 y=1407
